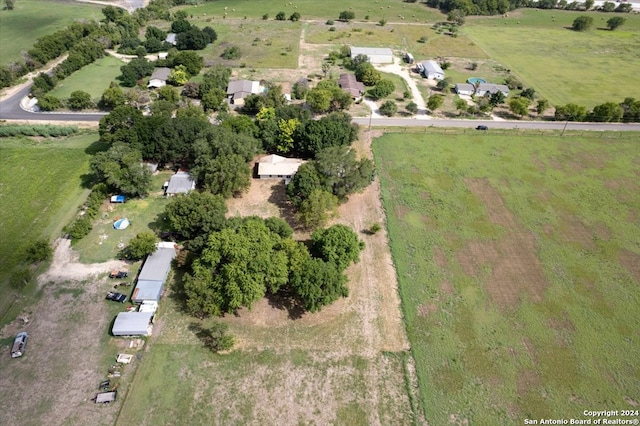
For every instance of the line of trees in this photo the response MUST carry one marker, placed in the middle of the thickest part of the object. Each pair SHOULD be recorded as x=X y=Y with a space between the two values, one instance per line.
x=628 y=111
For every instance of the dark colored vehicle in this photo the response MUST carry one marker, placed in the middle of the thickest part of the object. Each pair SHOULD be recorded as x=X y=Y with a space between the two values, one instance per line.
x=116 y=297
x=104 y=385
x=481 y=127
x=118 y=274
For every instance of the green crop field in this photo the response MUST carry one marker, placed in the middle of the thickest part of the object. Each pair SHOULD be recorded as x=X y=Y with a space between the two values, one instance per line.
x=564 y=66
x=30 y=19
x=41 y=186
x=518 y=264
x=392 y=10
x=93 y=79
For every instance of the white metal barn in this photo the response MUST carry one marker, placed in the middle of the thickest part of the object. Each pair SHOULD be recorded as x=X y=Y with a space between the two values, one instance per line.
x=376 y=55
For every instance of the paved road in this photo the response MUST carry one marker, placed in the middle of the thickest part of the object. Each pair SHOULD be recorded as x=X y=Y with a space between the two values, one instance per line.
x=10 y=110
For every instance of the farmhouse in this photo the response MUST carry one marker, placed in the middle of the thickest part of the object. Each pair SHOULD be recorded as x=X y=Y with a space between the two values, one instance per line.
x=159 y=77
x=349 y=84
x=180 y=183
x=237 y=90
x=486 y=89
x=431 y=70
x=154 y=273
x=376 y=55
x=276 y=167
x=133 y=324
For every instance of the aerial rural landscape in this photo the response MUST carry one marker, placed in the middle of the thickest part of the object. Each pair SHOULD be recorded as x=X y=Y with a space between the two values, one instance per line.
x=376 y=212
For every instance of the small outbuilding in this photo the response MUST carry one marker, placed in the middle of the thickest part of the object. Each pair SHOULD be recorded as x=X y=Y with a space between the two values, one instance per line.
x=172 y=38
x=154 y=273
x=431 y=70
x=180 y=183
x=133 y=324
x=376 y=55
x=465 y=89
x=159 y=77
x=105 y=397
x=277 y=167
x=349 y=84
x=408 y=58
x=237 y=90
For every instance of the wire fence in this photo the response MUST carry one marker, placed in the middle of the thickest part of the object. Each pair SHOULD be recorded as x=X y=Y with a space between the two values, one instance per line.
x=617 y=135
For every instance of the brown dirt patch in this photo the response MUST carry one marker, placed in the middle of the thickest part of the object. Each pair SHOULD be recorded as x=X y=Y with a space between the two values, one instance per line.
x=439 y=257
x=631 y=261
x=514 y=269
x=446 y=287
x=426 y=309
x=527 y=380
x=531 y=350
x=573 y=230
x=538 y=163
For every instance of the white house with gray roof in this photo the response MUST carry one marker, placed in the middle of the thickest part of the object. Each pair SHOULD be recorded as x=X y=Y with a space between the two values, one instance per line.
x=180 y=183
x=277 y=167
x=159 y=77
x=237 y=90
x=431 y=70
x=376 y=55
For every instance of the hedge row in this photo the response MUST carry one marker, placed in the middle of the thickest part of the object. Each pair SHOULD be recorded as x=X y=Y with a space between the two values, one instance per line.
x=36 y=130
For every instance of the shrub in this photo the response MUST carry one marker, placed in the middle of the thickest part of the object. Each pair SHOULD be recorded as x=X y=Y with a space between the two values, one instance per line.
x=423 y=39
x=582 y=23
x=37 y=130
x=412 y=107
x=347 y=15
x=38 y=251
x=281 y=16
x=79 y=100
x=20 y=278
x=332 y=29
x=295 y=16
x=265 y=16
x=232 y=52
x=373 y=229
x=389 y=108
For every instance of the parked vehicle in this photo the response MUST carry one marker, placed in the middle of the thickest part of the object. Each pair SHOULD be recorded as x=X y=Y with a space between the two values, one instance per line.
x=118 y=274
x=104 y=385
x=481 y=127
x=122 y=285
x=19 y=345
x=116 y=297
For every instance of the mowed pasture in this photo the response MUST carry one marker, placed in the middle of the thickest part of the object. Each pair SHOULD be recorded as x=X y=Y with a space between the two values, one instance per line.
x=517 y=259
x=564 y=66
x=31 y=19
x=41 y=184
x=93 y=79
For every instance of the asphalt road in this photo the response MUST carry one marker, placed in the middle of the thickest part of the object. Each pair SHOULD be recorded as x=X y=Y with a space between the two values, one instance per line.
x=10 y=110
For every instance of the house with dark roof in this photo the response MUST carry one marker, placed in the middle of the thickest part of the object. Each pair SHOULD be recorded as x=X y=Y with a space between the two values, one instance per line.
x=349 y=84
x=180 y=183
x=159 y=77
x=237 y=90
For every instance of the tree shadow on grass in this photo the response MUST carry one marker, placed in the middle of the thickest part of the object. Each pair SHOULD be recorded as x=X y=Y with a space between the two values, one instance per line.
x=285 y=302
x=287 y=211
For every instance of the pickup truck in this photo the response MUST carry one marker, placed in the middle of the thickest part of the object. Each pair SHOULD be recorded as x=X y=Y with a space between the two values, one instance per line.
x=118 y=274
x=19 y=345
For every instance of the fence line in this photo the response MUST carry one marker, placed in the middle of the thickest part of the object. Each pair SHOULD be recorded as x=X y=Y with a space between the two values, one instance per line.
x=513 y=132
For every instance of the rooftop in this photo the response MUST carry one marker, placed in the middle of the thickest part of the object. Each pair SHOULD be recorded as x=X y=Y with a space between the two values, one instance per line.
x=275 y=165
x=181 y=183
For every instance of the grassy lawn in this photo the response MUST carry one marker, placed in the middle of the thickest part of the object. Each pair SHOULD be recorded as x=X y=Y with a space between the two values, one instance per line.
x=93 y=78
x=31 y=19
x=41 y=187
x=104 y=242
x=518 y=258
x=392 y=10
x=587 y=68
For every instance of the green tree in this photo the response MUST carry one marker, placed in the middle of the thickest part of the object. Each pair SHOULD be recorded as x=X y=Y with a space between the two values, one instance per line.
x=213 y=99
x=140 y=246
x=303 y=183
x=49 y=103
x=331 y=130
x=367 y=74
x=607 y=112
x=112 y=97
x=178 y=76
x=38 y=251
x=461 y=105
x=582 y=23
x=122 y=170
x=216 y=337
x=226 y=174
x=168 y=93
x=570 y=112
x=347 y=15
x=519 y=106
x=79 y=100
x=281 y=16
x=134 y=71
x=286 y=130
x=295 y=16
x=120 y=125
x=443 y=84
x=319 y=100
x=615 y=22
x=215 y=77
x=435 y=102
x=318 y=208
x=588 y=4
x=9 y=4
x=341 y=173
x=337 y=244
x=631 y=109
x=318 y=283
x=382 y=89
x=412 y=107
x=231 y=52
x=389 y=108
x=194 y=216
x=496 y=98
x=192 y=62
x=541 y=106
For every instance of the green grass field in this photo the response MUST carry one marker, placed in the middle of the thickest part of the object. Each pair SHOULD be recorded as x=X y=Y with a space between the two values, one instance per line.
x=518 y=265
x=392 y=10
x=93 y=78
x=31 y=19
x=564 y=66
x=41 y=189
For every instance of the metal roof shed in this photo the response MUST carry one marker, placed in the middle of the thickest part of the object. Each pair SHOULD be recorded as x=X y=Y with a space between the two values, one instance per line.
x=133 y=324
x=376 y=55
x=158 y=264
x=147 y=290
x=180 y=183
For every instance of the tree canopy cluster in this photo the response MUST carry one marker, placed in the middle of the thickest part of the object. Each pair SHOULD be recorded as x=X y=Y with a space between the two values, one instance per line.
x=248 y=258
x=628 y=111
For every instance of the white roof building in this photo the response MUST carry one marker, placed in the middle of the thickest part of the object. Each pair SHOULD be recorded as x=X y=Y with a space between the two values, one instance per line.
x=180 y=183
x=159 y=77
x=431 y=70
x=133 y=324
x=277 y=167
x=376 y=55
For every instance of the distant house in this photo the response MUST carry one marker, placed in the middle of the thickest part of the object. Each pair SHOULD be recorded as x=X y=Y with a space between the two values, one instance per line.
x=180 y=183
x=487 y=89
x=277 y=167
x=431 y=70
x=237 y=90
x=408 y=58
x=376 y=55
x=159 y=77
x=465 y=89
x=133 y=324
x=154 y=273
x=349 y=84
x=172 y=38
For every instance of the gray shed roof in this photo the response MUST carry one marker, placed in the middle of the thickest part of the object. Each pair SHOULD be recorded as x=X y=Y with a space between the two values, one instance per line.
x=465 y=87
x=493 y=88
x=161 y=73
x=355 y=51
x=181 y=183
x=132 y=324
x=432 y=67
x=147 y=290
x=157 y=265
